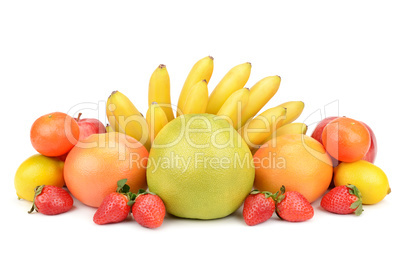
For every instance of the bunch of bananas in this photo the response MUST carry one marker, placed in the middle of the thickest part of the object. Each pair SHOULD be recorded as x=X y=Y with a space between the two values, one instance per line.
x=230 y=100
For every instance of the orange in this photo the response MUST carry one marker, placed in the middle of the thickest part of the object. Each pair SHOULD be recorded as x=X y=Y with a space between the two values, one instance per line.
x=297 y=161
x=54 y=134
x=95 y=164
x=346 y=139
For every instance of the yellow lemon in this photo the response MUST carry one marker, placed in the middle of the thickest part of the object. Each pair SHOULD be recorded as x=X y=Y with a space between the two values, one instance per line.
x=368 y=178
x=37 y=170
x=200 y=166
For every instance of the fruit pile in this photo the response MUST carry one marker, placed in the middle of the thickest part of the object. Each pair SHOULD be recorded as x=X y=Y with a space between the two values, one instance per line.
x=202 y=158
x=352 y=146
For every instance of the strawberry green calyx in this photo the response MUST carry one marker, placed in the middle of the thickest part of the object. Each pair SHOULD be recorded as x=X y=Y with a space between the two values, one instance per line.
x=140 y=192
x=280 y=195
x=133 y=196
x=358 y=205
x=38 y=191
x=266 y=194
x=255 y=191
x=124 y=189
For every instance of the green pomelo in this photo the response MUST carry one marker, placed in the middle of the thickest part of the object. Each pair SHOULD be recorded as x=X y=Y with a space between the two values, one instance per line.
x=201 y=167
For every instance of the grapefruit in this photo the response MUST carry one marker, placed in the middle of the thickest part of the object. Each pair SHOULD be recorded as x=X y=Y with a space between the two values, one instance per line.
x=297 y=161
x=200 y=166
x=93 y=167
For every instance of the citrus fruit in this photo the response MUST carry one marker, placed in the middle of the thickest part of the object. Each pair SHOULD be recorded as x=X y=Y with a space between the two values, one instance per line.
x=367 y=177
x=200 y=167
x=54 y=134
x=93 y=167
x=37 y=170
x=346 y=139
x=296 y=161
x=317 y=133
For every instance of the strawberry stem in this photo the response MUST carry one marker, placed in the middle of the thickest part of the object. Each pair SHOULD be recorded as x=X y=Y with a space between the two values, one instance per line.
x=124 y=189
x=255 y=191
x=132 y=196
x=358 y=204
x=38 y=191
x=142 y=191
x=280 y=195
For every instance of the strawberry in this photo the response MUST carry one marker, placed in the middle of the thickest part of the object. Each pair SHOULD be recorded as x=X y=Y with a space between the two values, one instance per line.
x=344 y=199
x=51 y=200
x=148 y=209
x=293 y=206
x=258 y=207
x=116 y=206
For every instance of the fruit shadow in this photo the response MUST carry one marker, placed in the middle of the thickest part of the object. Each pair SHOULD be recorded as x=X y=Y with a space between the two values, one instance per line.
x=174 y=220
x=236 y=216
x=239 y=215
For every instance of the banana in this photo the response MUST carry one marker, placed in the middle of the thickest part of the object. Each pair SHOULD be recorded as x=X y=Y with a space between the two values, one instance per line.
x=202 y=70
x=197 y=99
x=257 y=130
x=156 y=119
x=233 y=107
x=159 y=90
x=293 y=110
x=235 y=79
x=109 y=114
x=109 y=128
x=292 y=128
x=127 y=118
x=260 y=94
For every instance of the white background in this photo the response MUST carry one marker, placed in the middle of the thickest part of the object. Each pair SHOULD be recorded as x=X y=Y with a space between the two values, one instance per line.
x=55 y=55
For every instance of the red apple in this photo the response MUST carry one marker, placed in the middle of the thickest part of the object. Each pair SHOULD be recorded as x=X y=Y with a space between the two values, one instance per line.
x=62 y=157
x=372 y=152
x=317 y=133
x=370 y=155
x=89 y=126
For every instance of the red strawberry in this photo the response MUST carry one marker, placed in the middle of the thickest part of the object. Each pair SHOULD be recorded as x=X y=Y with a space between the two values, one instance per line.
x=344 y=199
x=258 y=207
x=148 y=209
x=51 y=200
x=116 y=206
x=293 y=206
